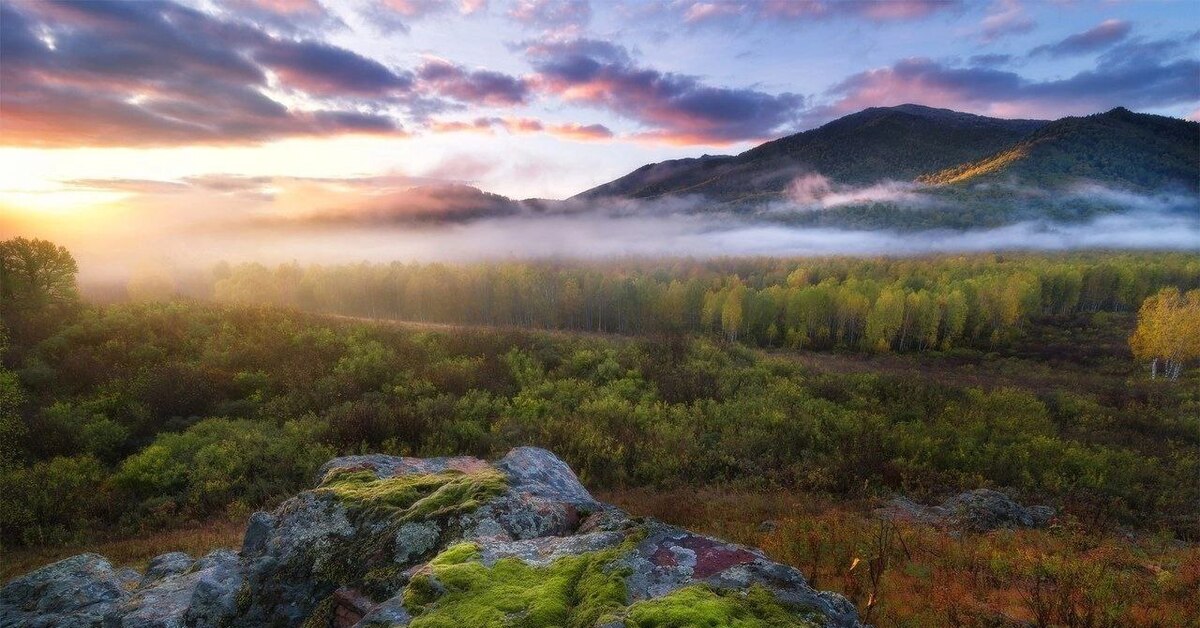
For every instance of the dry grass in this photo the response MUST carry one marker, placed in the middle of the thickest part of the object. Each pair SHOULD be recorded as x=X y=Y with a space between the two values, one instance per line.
x=911 y=575
x=897 y=575
x=130 y=552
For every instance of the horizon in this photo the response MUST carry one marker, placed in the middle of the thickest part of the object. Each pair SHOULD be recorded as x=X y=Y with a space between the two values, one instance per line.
x=643 y=313
x=160 y=132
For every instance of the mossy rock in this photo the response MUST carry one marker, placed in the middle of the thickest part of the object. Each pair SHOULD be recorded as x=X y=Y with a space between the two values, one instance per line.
x=457 y=589
x=413 y=497
x=699 y=606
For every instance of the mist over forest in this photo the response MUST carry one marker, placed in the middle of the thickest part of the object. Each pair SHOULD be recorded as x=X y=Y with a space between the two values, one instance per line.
x=185 y=233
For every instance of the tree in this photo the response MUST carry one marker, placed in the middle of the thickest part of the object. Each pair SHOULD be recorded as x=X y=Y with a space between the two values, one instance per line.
x=732 y=311
x=36 y=271
x=37 y=286
x=1168 y=330
x=885 y=319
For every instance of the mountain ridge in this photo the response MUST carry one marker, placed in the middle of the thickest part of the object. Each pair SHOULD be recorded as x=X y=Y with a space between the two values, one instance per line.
x=906 y=141
x=935 y=147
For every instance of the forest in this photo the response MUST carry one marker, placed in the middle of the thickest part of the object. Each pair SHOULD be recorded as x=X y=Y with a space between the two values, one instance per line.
x=933 y=375
x=880 y=304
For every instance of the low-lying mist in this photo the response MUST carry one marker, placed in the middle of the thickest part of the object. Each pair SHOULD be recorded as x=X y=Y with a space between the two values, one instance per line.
x=190 y=226
x=590 y=237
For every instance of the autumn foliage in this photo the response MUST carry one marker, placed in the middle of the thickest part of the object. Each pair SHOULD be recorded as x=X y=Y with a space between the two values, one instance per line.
x=1168 y=331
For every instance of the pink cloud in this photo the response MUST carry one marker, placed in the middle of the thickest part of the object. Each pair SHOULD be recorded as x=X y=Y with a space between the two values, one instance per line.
x=1006 y=17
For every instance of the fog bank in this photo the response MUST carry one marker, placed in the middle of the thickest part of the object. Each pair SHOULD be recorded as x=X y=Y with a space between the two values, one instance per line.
x=592 y=237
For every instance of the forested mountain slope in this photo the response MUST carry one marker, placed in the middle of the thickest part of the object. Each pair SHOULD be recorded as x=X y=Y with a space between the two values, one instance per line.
x=896 y=143
x=1119 y=147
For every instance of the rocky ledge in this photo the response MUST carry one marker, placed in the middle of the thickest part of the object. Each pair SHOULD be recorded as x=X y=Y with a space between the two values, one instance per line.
x=453 y=542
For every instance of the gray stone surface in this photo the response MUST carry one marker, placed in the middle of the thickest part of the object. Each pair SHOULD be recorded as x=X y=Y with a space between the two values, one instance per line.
x=980 y=510
x=77 y=591
x=204 y=594
x=316 y=556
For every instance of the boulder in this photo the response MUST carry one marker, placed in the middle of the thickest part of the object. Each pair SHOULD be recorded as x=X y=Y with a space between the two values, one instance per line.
x=386 y=541
x=202 y=594
x=980 y=510
x=78 y=591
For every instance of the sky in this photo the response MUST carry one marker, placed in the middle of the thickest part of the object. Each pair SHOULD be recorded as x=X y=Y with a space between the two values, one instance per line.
x=172 y=111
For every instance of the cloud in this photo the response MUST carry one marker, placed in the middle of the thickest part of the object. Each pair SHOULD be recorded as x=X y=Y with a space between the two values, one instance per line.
x=989 y=60
x=813 y=191
x=324 y=70
x=134 y=186
x=431 y=204
x=576 y=131
x=552 y=15
x=1005 y=17
x=1138 y=79
x=392 y=16
x=287 y=16
x=811 y=10
x=482 y=87
x=1100 y=37
x=156 y=73
x=520 y=125
x=676 y=108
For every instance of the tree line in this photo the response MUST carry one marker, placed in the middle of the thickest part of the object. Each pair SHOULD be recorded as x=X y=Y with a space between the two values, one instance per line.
x=881 y=304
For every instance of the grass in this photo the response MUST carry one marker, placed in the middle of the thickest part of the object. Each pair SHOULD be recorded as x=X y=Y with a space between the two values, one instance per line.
x=908 y=575
x=413 y=497
x=897 y=576
x=135 y=552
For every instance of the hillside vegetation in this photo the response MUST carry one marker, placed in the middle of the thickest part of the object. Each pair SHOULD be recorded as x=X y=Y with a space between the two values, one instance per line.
x=917 y=168
x=896 y=143
x=1123 y=148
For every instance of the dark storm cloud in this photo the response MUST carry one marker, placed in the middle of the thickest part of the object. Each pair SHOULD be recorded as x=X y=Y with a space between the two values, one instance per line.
x=157 y=73
x=1102 y=36
x=674 y=107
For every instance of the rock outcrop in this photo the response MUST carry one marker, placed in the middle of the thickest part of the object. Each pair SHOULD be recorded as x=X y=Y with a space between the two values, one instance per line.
x=980 y=510
x=456 y=542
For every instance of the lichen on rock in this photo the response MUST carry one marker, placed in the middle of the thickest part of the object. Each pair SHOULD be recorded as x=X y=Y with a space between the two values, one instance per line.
x=455 y=542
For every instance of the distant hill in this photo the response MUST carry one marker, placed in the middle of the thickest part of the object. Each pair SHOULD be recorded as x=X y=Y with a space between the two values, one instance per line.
x=1119 y=148
x=880 y=143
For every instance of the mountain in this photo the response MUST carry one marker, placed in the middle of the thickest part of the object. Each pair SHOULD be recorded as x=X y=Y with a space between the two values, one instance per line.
x=1119 y=148
x=390 y=541
x=880 y=143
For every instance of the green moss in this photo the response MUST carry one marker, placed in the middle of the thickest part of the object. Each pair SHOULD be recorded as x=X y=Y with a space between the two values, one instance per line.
x=699 y=606
x=574 y=591
x=322 y=615
x=412 y=497
x=456 y=555
x=382 y=582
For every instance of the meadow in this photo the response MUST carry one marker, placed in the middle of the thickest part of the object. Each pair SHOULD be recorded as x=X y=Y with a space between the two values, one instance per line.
x=142 y=426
